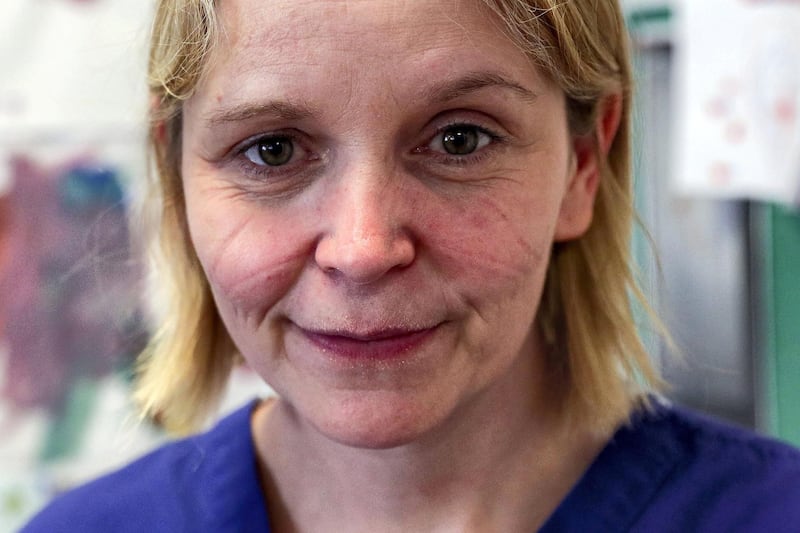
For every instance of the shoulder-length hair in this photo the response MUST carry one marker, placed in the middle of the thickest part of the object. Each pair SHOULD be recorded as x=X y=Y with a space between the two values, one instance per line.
x=585 y=315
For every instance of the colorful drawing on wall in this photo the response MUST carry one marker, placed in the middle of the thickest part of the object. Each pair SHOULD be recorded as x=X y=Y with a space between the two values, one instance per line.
x=71 y=326
x=72 y=102
x=70 y=290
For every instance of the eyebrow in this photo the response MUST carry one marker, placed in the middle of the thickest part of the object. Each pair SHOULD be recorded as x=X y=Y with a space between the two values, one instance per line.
x=278 y=109
x=475 y=81
x=443 y=92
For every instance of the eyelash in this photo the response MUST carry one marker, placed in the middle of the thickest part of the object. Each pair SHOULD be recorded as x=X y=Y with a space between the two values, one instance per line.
x=259 y=172
x=274 y=172
x=468 y=159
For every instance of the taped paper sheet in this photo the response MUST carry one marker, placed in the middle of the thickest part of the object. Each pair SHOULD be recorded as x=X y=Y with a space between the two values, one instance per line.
x=738 y=87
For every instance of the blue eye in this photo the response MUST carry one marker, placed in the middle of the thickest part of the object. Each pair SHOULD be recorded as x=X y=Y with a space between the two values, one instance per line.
x=460 y=139
x=271 y=151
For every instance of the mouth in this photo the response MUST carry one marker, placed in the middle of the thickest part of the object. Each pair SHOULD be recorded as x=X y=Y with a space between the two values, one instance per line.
x=382 y=344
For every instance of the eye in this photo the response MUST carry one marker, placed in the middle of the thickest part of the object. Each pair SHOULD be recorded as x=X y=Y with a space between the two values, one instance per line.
x=460 y=139
x=271 y=151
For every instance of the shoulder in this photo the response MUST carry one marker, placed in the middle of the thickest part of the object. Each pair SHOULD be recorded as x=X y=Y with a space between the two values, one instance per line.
x=720 y=477
x=144 y=496
x=171 y=489
x=715 y=447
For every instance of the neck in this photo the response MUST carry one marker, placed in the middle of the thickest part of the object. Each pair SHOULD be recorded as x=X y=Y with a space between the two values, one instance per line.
x=499 y=463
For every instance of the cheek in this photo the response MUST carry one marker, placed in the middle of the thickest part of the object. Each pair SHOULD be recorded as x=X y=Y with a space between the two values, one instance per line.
x=493 y=253
x=251 y=256
x=495 y=243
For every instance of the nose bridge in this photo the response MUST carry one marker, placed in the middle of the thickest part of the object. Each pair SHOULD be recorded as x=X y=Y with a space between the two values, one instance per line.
x=366 y=211
x=366 y=234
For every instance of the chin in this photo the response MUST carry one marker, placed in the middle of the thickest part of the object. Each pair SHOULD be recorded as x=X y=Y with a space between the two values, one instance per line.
x=377 y=420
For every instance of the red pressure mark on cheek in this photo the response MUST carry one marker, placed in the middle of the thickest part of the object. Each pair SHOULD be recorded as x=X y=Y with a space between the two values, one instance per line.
x=477 y=220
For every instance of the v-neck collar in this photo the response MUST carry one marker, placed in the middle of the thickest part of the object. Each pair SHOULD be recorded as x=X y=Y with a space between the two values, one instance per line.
x=623 y=479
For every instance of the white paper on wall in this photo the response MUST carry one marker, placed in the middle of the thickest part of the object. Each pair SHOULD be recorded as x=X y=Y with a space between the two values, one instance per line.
x=69 y=63
x=738 y=86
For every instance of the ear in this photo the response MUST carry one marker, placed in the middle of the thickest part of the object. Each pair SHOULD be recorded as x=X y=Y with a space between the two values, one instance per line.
x=588 y=154
x=159 y=129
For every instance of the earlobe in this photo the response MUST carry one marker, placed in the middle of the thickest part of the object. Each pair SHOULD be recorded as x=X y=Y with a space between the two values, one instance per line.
x=588 y=155
x=158 y=128
x=160 y=132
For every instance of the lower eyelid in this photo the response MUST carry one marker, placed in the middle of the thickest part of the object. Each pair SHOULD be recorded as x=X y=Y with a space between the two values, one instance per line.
x=304 y=167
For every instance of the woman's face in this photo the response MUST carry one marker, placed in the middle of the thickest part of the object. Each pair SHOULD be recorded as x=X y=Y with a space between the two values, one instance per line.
x=373 y=189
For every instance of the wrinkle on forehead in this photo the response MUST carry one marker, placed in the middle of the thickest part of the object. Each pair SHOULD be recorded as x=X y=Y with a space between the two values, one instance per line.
x=313 y=20
x=291 y=39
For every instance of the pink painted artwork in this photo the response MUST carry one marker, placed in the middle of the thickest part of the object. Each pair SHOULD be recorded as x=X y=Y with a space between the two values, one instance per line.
x=70 y=287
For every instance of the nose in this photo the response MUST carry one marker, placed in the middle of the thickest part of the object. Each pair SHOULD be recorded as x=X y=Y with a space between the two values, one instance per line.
x=367 y=233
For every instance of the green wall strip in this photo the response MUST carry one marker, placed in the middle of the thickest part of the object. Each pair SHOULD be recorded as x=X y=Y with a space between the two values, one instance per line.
x=775 y=251
x=783 y=286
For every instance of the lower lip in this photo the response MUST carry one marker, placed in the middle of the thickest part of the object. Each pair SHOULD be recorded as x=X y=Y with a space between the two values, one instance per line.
x=394 y=347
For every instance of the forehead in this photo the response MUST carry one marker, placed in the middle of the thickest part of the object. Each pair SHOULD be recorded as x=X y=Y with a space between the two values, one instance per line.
x=336 y=44
x=415 y=24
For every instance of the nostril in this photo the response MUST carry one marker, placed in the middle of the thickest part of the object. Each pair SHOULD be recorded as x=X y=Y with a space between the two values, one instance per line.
x=330 y=270
x=364 y=229
x=363 y=261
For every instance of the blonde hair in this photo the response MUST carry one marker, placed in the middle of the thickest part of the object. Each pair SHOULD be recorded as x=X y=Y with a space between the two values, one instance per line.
x=585 y=314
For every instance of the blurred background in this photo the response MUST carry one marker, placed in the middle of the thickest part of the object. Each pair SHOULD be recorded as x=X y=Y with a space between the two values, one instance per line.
x=717 y=168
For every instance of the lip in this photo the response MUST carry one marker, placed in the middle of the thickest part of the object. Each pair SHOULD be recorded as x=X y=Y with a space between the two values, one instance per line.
x=379 y=345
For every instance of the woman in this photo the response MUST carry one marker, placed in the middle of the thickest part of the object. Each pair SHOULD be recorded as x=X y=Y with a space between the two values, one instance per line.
x=411 y=219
